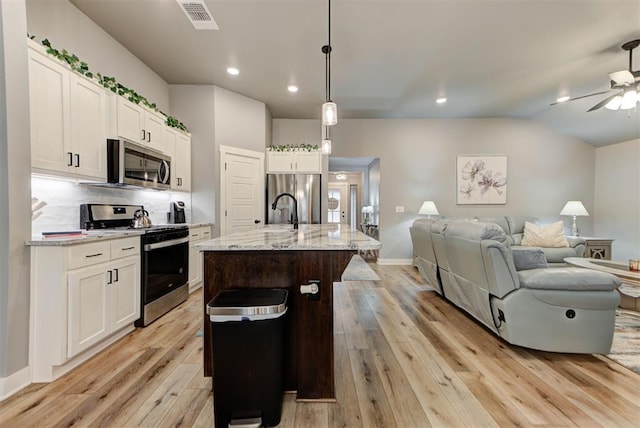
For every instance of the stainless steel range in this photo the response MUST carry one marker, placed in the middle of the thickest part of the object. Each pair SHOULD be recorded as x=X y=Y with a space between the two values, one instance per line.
x=164 y=259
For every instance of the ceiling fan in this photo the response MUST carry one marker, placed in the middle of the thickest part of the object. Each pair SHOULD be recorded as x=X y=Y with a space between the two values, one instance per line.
x=626 y=83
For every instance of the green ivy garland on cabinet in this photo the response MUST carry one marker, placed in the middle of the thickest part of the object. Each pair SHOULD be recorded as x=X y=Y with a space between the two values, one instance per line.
x=107 y=82
x=293 y=147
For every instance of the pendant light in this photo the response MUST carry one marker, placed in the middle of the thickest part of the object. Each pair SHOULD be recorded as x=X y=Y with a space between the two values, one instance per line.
x=329 y=108
x=326 y=142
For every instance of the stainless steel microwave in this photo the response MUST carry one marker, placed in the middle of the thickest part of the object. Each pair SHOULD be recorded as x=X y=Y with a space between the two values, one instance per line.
x=132 y=164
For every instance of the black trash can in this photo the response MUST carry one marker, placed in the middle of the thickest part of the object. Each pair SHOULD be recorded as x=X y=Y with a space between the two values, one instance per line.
x=247 y=329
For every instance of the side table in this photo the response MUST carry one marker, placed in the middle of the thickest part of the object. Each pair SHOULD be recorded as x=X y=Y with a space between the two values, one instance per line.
x=597 y=248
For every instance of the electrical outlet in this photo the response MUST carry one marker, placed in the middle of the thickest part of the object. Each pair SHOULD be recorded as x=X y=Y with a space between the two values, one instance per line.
x=399 y=209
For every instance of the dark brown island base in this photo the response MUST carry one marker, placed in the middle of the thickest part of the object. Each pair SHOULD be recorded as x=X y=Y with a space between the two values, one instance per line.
x=277 y=256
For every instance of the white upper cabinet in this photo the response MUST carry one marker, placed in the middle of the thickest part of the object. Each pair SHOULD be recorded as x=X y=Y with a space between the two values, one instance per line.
x=88 y=127
x=296 y=161
x=68 y=116
x=179 y=148
x=140 y=125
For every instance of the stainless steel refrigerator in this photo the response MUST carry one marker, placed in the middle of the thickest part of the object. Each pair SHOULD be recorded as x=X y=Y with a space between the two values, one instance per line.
x=305 y=188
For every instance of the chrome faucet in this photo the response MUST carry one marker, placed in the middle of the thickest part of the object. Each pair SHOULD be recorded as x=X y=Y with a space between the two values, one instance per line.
x=294 y=220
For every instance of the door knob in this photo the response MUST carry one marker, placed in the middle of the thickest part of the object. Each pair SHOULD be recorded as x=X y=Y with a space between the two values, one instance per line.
x=256 y=221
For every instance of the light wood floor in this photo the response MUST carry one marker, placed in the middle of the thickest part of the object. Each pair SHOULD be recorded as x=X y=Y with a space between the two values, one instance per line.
x=404 y=358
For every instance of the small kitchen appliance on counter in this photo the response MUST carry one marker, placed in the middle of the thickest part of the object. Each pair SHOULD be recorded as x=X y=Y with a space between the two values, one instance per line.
x=176 y=213
x=164 y=257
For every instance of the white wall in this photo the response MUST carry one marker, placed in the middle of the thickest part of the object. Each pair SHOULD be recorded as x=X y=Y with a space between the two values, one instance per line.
x=617 y=198
x=68 y=28
x=15 y=221
x=216 y=117
x=195 y=104
x=417 y=162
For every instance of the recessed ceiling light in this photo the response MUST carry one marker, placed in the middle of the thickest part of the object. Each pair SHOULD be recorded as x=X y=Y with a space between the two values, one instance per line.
x=233 y=71
x=292 y=88
x=441 y=100
x=563 y=99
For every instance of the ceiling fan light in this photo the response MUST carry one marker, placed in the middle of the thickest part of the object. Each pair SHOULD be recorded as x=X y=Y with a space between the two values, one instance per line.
x=629 y=100
x=329 y=113
x=326 y=146
x=615 y=103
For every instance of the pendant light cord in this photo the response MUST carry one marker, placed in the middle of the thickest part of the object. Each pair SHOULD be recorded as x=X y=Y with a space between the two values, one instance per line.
x=329 y=56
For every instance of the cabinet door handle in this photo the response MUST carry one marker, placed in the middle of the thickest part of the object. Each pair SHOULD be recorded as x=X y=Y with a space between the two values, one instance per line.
x=70 y=163
x=93 y=255
x=116 y=271
x=128 y=248
x=291 y=165
x=144 y=135
x=110 y=277
x=149 y=136
x=77 y=155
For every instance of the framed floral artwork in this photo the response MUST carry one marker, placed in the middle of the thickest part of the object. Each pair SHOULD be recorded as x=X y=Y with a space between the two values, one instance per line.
x=481 y=180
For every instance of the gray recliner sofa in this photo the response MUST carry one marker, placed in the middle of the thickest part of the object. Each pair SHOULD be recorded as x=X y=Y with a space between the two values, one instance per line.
x=472 y=265
x=513 y=227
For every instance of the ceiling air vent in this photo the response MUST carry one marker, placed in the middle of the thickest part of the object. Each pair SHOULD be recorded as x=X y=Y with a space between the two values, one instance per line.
x=198 y=14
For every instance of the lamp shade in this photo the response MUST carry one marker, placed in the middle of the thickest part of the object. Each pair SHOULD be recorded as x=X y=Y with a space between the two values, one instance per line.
x=574 y=208
x=367 y=209
x=326 y=146
x=428 y=208
x=329 y=113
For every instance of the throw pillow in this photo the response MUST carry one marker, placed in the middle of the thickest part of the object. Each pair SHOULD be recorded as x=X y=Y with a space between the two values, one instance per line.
x=551 y=236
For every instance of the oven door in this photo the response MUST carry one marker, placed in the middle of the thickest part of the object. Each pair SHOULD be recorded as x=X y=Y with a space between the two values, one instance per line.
x=165 y=268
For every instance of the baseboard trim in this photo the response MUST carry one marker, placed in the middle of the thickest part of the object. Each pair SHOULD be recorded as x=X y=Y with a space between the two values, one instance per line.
x=395 y=262
x=14 y=383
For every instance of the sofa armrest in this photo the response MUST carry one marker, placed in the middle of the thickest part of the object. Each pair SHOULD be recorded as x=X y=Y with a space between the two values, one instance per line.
x=525 y=258
x=578 y=243
x=574 y=241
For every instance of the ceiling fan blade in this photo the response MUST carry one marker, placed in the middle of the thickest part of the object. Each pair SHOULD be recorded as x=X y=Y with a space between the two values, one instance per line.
x=604 y=102
x=580 y=97
x=622 y=77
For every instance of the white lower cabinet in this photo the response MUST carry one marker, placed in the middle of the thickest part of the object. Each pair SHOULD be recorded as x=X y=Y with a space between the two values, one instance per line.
x=102 y=299
x=84 y=297
x=196 y=234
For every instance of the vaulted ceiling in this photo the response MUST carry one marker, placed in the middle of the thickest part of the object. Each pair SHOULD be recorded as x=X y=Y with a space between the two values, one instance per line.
x=393 y=58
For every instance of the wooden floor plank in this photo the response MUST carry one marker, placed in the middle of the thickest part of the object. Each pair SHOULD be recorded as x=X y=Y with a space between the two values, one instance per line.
x=350 y=323
x=345 y=412
x=404 y=356
x=312 y=415
x=402 y=399
x=374 y=403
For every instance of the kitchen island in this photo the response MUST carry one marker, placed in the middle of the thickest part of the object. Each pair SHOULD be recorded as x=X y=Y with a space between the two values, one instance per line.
x=278 y=256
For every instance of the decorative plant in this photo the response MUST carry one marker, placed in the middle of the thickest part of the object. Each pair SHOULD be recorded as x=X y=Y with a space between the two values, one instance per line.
x=293 y=147
x=108 y=82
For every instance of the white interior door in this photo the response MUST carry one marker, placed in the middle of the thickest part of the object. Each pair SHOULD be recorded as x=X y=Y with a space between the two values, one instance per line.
x=242 y=189
x=338 y=213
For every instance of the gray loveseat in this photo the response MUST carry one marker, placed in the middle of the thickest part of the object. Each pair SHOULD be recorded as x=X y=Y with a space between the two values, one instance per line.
x=472 y=265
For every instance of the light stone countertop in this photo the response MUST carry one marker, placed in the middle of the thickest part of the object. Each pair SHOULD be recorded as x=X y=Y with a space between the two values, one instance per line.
x=284 y=237
x=96 y=235
x=87 y=236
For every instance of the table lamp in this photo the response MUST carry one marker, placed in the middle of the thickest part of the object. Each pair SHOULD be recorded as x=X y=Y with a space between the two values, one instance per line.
x=367 y=210
x=428 y=208
x=574 y=208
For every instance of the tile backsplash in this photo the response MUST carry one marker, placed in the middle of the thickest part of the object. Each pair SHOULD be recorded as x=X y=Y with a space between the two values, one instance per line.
x=63 y=198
